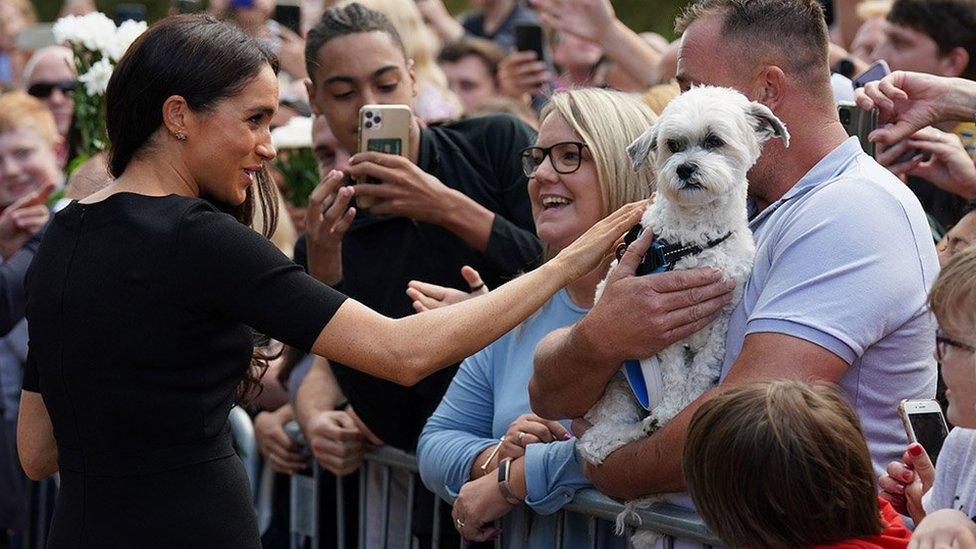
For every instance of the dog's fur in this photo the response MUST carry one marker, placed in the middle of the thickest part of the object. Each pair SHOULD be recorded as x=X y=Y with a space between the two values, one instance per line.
x=720 y=132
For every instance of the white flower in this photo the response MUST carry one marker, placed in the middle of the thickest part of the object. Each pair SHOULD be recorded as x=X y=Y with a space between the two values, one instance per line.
x=96 y=79
x=297 y=133
x=127 y=33
x=68 y=30
x=94 y=31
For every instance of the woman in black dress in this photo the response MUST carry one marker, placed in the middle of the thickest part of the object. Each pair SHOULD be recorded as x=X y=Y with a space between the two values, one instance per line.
x=142 y=300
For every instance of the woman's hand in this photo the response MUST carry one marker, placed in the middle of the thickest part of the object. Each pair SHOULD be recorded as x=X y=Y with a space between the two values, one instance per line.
x=278 y=450
x=427 y=297
x=327 y=219
x=588 y=19
x=946 y=528
x=479 y=503
x=528 y=429
x=596 y=245
x=904 y=484
x=939 y=158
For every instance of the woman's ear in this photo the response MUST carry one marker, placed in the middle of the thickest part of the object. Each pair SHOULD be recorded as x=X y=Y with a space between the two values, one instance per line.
x=176 y=116
x=414 y=87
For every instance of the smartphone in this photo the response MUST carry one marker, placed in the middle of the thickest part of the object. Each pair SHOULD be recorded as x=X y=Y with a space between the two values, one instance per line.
x=386 y=129
x=876 y=71
x=858 y=122
x=126 y=12
x=531 y=37
x=925 y=424
x=289 y=14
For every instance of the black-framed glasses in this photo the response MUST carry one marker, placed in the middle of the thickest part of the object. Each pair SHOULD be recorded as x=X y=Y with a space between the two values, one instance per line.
x=566 y=157
x=943 y=342
x=43 y=90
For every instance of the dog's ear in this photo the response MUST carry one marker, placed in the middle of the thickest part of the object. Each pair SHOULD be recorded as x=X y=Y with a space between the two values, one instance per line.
x=766 y=124
x=641 y=148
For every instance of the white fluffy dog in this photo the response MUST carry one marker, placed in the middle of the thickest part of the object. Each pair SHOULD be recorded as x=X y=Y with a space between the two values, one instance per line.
x=701 y=147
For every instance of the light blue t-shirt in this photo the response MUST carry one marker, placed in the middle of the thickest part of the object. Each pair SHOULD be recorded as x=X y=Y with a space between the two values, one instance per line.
x=488 y=392
x=845 y=260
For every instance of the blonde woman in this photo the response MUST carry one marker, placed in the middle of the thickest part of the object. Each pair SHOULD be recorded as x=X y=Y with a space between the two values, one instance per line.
x=578 y=173
x=435 y=102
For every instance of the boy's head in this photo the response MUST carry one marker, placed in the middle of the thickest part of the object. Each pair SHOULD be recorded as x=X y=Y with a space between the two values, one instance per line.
x=931 y=36
x=781 y=464
x=471 y=66
x=31 y=149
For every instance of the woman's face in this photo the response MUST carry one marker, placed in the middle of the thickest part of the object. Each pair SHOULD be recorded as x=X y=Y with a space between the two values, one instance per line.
x=230 y=144
x=564 y=206
x=959 y=373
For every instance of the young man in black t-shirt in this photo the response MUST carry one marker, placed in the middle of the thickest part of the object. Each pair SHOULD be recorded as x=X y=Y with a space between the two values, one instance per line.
x=458 y=198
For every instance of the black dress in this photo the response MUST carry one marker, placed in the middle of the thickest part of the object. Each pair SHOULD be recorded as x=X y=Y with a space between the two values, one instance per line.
x=139 y=311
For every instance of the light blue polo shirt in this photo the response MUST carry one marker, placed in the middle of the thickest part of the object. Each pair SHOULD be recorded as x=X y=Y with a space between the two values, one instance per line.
x=845 y=260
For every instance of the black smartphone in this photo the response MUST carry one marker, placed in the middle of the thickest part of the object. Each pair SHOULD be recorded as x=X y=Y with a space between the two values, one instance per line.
x=126 y=12
x=858 y=122
x=531 y=37
x=288 y=13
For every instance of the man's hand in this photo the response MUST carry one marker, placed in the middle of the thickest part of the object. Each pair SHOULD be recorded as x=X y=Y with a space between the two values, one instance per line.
x=521 y=74
x=337 y=442
x=404 y=189
x=590 y=20
x=427 y=297
x=638 y=316
x=910 y=101
x=940 y=159
x=946 y=528
x=21 y=220
x=278 y=450
x=326 y=221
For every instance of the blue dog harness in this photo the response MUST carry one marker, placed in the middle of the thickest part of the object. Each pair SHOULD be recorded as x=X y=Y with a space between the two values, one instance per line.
x=660 y=258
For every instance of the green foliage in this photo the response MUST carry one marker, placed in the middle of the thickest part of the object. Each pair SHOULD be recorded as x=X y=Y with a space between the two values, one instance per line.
x=301 y=173
x=640 y=15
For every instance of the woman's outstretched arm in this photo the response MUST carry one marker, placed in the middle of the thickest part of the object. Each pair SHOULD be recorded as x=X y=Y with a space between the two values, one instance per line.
x=409 y=349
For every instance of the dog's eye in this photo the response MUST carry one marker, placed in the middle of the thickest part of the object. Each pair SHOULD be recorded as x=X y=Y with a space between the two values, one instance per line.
x=674 y=145
x=712 y=142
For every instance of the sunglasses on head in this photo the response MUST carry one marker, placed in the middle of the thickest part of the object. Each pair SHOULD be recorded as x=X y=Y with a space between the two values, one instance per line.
x=43 y=90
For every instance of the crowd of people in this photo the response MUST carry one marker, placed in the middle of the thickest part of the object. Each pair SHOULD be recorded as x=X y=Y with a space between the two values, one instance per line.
x=447 y=309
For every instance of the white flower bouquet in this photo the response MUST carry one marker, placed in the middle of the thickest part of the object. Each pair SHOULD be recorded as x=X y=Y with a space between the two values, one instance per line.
x=98 y=44
x=295 y=159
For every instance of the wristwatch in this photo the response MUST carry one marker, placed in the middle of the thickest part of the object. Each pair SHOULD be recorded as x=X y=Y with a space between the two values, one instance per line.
x=504 y=470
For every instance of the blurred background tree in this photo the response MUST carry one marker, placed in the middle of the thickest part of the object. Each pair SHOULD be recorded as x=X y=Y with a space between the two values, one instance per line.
x=640 y=15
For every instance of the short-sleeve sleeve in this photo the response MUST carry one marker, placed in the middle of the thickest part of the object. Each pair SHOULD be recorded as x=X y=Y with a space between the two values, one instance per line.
x=835 y=267
x=231 y=270
x=32 y=379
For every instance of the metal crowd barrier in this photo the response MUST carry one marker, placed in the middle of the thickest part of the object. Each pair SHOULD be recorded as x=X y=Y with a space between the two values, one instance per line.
x=676 y=525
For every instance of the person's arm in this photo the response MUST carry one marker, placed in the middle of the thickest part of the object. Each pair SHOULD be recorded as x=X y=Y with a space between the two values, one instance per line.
x=847 y=20
x=635 y=317
x=912 y=101
x=653 y=465
x=553 y=474
x=317 y=392
x=595 y=21
x=36 y=446
x=13 y=297
x=409 y=349
x=456 y=437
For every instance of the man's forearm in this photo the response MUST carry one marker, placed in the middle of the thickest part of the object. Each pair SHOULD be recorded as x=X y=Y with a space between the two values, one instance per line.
x=470 y=221
x=319 y=392
x=636 y=57
x=569 y=374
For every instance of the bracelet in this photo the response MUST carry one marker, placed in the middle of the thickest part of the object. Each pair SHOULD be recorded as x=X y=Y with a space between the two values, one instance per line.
x=504 y=470
x=491 y=456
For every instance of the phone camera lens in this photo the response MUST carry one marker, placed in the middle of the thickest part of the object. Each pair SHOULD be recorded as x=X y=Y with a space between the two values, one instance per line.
x=845 y=117
x=377 y=120
x=369 y=124
x=369 y=114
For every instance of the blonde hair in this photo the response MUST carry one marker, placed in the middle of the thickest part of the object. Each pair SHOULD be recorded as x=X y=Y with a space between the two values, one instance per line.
x=953 y=296
x=660 y=95
x=19 y=110
x=608 y=121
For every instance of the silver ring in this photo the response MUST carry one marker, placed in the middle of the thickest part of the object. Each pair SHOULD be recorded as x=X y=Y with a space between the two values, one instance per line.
x=520 y=435
x=460 y=523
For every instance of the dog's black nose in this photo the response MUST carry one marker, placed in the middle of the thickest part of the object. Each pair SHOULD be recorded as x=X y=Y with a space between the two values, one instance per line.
x=685 y=171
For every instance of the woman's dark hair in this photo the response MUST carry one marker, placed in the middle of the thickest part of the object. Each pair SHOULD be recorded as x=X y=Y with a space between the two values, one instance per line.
x=341 y=21
x=203 y=61
x=781 y=464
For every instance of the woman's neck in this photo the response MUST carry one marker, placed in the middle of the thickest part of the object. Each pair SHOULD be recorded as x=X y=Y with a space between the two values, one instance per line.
x=154 y=176
x=583 y=290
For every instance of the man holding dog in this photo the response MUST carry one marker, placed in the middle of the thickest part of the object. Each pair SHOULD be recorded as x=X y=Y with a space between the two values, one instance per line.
x=844 y=257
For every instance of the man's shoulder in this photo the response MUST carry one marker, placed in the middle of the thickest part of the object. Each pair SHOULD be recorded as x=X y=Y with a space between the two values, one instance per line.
x=501 y=133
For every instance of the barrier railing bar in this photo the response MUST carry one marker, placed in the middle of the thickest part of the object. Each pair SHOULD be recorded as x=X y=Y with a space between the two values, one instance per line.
x=663 y=518
x=668 y=542
x=591 y=532
x=385 y=476
x=408 y=534
x=560 y=519
x=340 y=495
x=436 y=534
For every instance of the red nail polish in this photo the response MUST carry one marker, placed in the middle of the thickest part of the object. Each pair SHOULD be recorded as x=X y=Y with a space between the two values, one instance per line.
x=915 y=450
